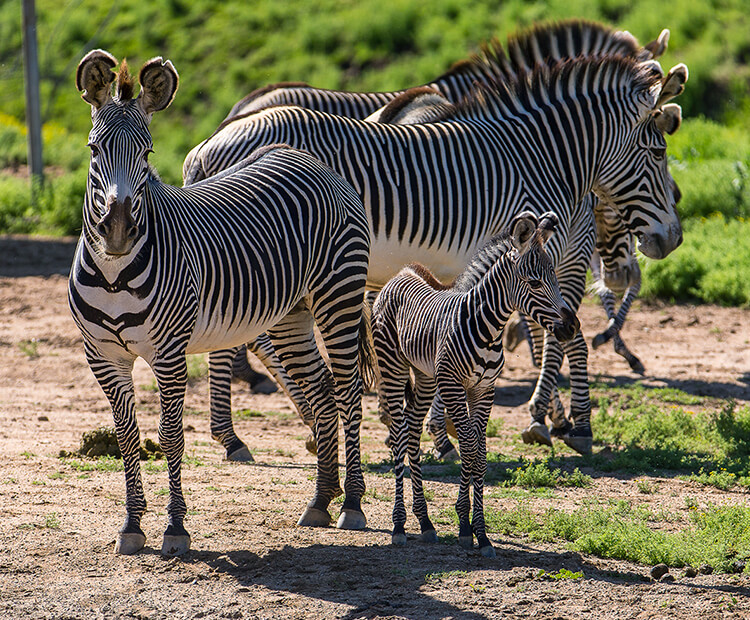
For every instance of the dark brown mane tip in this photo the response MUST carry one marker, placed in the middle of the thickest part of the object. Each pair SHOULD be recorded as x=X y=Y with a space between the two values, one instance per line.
x=429 y=278
x=125 y=82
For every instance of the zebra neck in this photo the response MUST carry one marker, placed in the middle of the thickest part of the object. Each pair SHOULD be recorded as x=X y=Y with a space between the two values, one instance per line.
x=488 y=305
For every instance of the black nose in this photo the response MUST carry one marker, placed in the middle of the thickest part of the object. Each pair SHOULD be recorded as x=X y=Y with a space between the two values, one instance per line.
x=568 y=326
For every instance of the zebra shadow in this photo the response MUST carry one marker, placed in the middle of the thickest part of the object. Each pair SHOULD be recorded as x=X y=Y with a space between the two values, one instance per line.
x=26 y=256
x=695 y=387
x=407 y=582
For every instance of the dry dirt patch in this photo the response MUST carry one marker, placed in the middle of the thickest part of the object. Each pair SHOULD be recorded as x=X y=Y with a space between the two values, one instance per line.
x=248 y=559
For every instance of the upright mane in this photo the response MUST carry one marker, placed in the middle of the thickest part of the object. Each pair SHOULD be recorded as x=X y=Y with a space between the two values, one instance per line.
x=569 y=78
x=125 y=82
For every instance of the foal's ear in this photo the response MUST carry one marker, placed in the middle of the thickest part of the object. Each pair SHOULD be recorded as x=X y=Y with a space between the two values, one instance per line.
x=159 y=81
x=668 y=118
x=94 y=77
x=522 y=229
x=548 y=224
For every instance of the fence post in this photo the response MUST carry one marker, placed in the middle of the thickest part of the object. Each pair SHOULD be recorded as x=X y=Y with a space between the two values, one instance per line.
x=33 y=110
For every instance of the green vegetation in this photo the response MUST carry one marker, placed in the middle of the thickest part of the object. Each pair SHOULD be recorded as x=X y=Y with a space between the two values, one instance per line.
x=716 y=535
x=535 y=474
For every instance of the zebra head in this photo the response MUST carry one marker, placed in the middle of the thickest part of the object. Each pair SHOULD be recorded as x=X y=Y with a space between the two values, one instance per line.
x=636 y=182
x=120 y=142
x=537 y=291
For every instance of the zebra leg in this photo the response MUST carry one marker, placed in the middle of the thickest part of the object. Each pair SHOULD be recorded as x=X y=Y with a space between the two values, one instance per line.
x=436 y=428
x=480 y=406
x=294 y=341
x=115 y=379
x=607 y=298
x=423 y=393
x=220 y=394
x=241 y=369
x=171 y=377
x=579 y=437
x=454 y=397
x=262 y=348
x=551 y=359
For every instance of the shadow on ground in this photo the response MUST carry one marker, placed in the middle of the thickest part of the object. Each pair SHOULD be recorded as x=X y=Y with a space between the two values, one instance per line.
x=22 y=256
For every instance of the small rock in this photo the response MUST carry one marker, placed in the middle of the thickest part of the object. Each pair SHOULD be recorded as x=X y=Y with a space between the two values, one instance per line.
x=43 y=418
x=689 y=572
x=667 y=578
x=706 y=569
x=658 y=571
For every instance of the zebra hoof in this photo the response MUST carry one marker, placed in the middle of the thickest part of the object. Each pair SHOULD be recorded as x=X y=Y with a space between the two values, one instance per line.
x=313 y=517
x=175 y=545
x=637 y=366
x=264 y=386
x=599 y=340
x=430 y=536
x=240 y=455
x=487 y=551
x=351 y=520
x=582 y=445
x=129 y=543
x=398 y=539
x=467 y=542
x=537 y=433
x=311 y=444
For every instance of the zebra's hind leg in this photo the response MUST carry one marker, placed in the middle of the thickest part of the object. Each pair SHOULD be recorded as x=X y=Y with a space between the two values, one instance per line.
x=220 y=393
x=115 y=379
x=262 y=348
x=171 y=377
x=294 y=342
x=241 y=369
x=438 y=431
x=422 y=395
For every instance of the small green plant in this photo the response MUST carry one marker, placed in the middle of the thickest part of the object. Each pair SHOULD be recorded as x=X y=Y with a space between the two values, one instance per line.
x=533 y=474
x=645 y=487
x=722 y=479
x=248 y=413
x=451 y=574
x=30 y=348
x=494 y=426
x=51 y=521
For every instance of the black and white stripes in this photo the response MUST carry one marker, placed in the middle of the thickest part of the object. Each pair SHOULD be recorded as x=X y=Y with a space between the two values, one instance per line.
x=273 y=244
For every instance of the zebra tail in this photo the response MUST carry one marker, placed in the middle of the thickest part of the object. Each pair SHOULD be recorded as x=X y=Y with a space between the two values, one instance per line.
x=367 y=362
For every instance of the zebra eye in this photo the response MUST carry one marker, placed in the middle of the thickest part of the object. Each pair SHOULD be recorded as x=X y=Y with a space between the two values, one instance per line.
x=659 y=153
x=535 y=284
x=94 y=150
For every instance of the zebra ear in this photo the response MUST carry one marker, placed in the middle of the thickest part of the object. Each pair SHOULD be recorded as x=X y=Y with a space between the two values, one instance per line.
x=159 y=81
x=548 y=224
x=657 y=47
x=94 y=77
x=522 y=229
x=673 y=84
x=668 y=118
x=421 y=104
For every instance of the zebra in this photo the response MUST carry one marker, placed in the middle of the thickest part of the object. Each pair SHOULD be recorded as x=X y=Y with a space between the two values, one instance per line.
x=269 y=245
x=543 y=43
x=435 y=192
x=450 y=339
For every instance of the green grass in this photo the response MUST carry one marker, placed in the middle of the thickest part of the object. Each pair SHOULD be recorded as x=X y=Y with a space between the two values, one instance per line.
x=539 y=473
x=715 y=535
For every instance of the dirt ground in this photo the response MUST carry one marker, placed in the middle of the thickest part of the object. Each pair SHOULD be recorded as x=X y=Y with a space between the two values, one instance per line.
x=248 y=558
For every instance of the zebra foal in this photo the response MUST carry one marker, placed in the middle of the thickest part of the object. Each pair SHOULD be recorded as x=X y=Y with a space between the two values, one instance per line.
x=272 y=244
x=450 y=339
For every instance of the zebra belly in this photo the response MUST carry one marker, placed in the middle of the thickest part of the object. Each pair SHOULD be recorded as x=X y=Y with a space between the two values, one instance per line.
x=388 y=256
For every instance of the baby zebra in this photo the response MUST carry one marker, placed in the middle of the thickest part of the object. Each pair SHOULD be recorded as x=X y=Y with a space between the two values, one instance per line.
x=450 y=340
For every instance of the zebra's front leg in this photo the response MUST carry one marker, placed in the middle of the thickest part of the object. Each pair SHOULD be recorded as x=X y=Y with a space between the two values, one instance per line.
x=580 y=437
x=480 y=406
x=115 y=379
x=220 y=393
x=171 y=377
x=422 y=395
x=546 y=386
x=454 y=397
x=294 y=342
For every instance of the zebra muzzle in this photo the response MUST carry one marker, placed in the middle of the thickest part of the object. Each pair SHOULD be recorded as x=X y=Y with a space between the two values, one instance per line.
x=117 y=229
x=567 y=327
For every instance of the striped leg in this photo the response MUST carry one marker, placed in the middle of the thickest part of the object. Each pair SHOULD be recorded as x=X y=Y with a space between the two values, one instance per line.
x=220 y=391
x=294 y=342
x=616 y=321
x=241 y=369
x=438 y=431
x=170 y=371
x=422 y=395
x=116 y=381
x=480 y=406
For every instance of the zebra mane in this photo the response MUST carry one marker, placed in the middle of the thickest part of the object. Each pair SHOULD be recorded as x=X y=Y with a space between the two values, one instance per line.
x=569 y=78
x=125 y=82
x=429 y=278
x=545 y=43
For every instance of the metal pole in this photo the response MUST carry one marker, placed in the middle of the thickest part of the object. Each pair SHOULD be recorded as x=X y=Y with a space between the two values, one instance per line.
x=33 y=114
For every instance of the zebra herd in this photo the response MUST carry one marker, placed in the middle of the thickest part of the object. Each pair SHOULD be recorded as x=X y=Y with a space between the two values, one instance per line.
x=502 y=175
